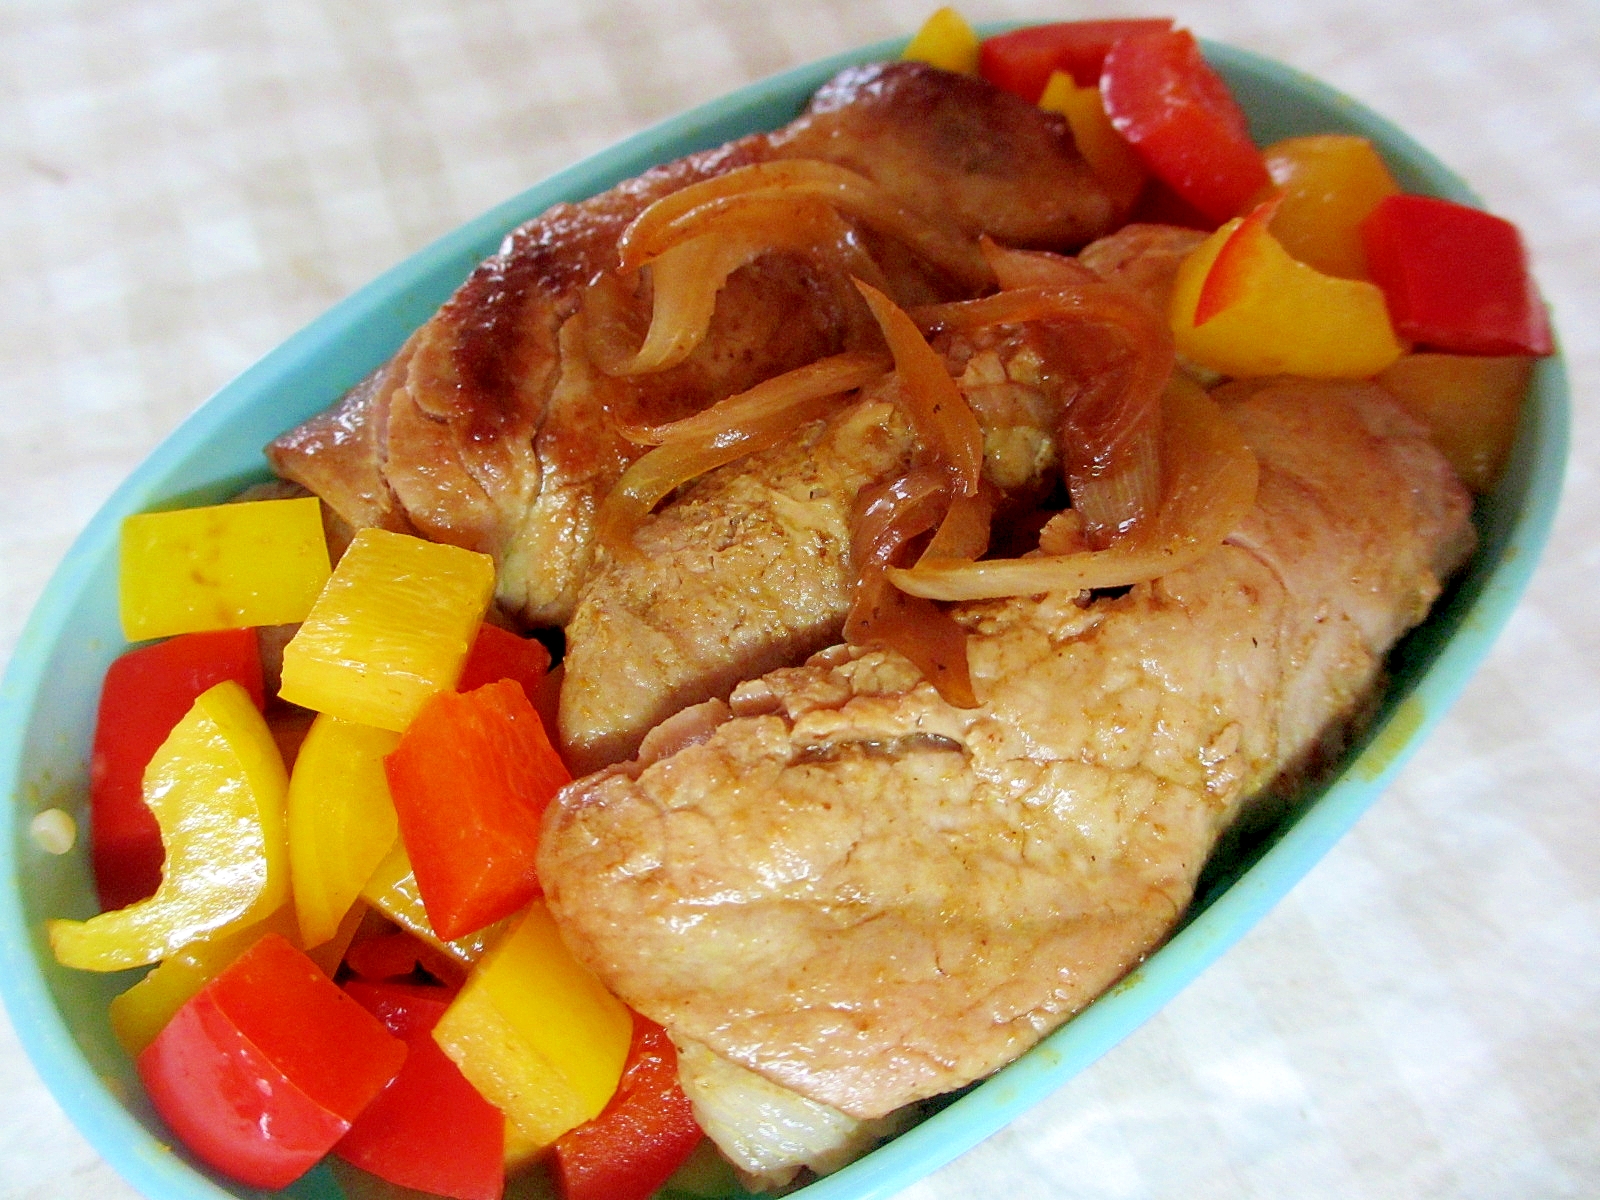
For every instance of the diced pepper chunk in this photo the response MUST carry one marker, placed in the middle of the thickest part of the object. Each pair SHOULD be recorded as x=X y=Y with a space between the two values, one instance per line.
x=1470 y=404
x=429 y=1129
x=1242 y=306
x=1103 y=148
x=1456 y=278
x=1183 y=122
x=392 y=628
x=141 y=1012
x=341 y=820
x=498 y=654
x=145 y=694
x=225 y=566
x=217 y=788
x=396 y=954
x=644 y=1135
x=1022 y=61
x=945 y=41
x=393 y=891
x=470 y=779
x=537 y=1034
x=1329 y=183
x=265 y=1068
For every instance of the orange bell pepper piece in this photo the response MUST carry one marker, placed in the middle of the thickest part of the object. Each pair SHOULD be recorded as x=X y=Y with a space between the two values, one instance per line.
x=1329 y=183
x=1470 y=404
x=470 y=780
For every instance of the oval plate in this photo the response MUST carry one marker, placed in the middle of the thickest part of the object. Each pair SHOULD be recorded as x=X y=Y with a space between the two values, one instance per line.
x=48 y=697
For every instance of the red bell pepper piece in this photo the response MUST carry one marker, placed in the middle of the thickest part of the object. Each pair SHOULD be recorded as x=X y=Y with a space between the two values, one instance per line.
x=1183 y=122
x=500 y=654
x=429 y=1129
x=1455 y=278
x=267 y=1066
x=470 y=780
x=146 y=692
x=1022 y=61
x=396 y=954
x=643 y=1135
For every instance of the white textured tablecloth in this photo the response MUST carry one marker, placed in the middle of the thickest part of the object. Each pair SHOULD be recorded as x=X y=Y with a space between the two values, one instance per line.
x=184 y=183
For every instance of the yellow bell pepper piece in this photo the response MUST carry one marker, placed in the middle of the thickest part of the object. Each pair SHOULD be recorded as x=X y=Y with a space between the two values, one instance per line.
x=947 y=41
x=142 y=1011
x=1242 y=306
x=341 y=820
x=228 y=566
x=536 y=1033
x=392 y=627
x=1105 y=150
x=1330 y=183
x=1470 y=404
x=216 y=787
x=392 y=890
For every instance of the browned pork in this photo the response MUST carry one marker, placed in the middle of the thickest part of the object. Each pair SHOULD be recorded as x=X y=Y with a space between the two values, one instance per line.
x=492 y=428
x=869 y=896
x=749 y=569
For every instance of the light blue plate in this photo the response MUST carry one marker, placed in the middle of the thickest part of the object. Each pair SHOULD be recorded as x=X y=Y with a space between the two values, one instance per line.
x=48 y=697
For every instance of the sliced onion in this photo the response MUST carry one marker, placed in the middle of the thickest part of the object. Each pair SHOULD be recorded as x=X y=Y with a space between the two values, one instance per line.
x=764 y=416
x=1032 y=268
x=1210 y=484
x=943 y=420
x=771 y=398
x=882 y=616
x=688 y=275
x=684 y=283
x=614 y=325
x=678 y=215
x=767 y=1131
x=1109 y=430
x=963 y=535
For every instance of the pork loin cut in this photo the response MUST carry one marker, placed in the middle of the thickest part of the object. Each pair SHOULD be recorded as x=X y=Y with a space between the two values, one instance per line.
x=870 y=897
x=492 y=429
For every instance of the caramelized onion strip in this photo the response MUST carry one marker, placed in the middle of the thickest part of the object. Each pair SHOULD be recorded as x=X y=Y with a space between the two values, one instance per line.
x=1210 y=484
x=963 y=535
x=751 y=421
x=1109 y=433
x=1032 y=268
x=884 y=617
x=678 y=215
x=687 y=277
x=771 y=399
x=940 y=414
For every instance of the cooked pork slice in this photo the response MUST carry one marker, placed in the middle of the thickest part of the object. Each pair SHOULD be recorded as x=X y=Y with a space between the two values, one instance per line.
x=747 y=572
x=750 y=569
x=869 y=896
x=491 y=429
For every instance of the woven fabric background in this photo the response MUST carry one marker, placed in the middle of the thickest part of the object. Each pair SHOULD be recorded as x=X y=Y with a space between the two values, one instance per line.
x=184 y=183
